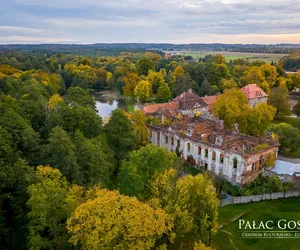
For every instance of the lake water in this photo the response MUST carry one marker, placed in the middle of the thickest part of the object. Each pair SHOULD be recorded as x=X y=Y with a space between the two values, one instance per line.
x=104 y=109
x=107 y=101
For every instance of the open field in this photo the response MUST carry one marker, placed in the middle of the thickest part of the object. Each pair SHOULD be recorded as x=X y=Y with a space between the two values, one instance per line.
x=233 y=55
x=230 y=237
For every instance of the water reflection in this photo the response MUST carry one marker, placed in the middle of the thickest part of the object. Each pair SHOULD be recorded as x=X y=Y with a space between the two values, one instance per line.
x=104 y=109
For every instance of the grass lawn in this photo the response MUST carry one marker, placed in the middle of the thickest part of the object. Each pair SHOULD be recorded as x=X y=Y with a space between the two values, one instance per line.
x=229 y=237
x=268 y=57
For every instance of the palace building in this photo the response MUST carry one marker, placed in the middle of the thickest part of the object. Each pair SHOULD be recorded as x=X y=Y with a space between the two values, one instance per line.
x=229 y=154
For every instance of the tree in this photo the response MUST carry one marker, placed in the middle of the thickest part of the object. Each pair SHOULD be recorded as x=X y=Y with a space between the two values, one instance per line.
x=94 y=158
x=279 y=98
x=156 y=79
x=144 y=65
x=77 y=96
x=143 y=91
x=120 y=135
x=255 y=76
x=164 y=93
x=141 y=131
x=48 y=211
x=54 y=101
x=14 y=180
x=201 y=246
x=138 y=171
x=289 y=138
x=108 y=220
x=205 y=88
x=60 y=153
x=255 y=121
x=229 y=84
x=230 y=106
x=191 y=201
x=130 y=80
x=296 y=108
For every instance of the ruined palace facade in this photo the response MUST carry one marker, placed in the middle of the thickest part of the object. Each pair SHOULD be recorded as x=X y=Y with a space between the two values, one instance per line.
x=227 y=153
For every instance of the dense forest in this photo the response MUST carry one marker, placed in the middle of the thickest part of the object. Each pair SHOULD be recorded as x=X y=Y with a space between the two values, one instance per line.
x=70 y=179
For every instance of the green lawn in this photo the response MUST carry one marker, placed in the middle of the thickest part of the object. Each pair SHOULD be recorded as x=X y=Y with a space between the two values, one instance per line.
x=229 y=237
x=268 y=57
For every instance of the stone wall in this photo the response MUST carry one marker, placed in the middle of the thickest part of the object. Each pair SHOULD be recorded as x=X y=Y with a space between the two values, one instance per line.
x=260 y=197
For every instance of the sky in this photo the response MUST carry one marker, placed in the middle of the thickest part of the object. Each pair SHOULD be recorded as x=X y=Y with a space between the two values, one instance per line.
x=150 y=21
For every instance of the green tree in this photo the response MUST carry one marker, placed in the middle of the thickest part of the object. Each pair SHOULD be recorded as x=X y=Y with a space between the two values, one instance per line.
x=296 y=108
x=77 y=96
x=120 y=135
x=143 y=91
x=48 y=211
x=164 y=93
x=205 y=88
x=138 y=171
x=60 y=153
x=94 y=158
x=279 y=99
x=144 y=65
x=14 y=180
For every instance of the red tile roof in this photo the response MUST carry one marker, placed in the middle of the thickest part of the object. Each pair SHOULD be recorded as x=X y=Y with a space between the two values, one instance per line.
x=210 y=101
x=153 y=108
x=187 y=100
x=253 y=91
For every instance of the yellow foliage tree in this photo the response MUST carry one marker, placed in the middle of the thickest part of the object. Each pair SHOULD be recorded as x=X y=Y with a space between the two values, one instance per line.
x=108 y=220
x=201 y=246
x=191 y=201
x=54 y=100
x=131 y=80
x=143 y=91
x=140 y=129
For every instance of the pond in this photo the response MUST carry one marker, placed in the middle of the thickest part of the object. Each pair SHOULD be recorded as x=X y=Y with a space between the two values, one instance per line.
x=107 y=101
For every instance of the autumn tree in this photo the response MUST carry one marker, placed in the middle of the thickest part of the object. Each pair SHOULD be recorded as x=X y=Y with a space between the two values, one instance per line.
x=48 y=211
x=131 y=80
x=164 y=93
x=191 y=201
x=143 y=91
x=108 y=220
x=141 y=131
x=144 y=65
x=255 y=76
x=279 y=98
x=229 y=84
x=156 y=79
x=120 y=135
x=230 y=106
x=138 y=171
x=201 y=246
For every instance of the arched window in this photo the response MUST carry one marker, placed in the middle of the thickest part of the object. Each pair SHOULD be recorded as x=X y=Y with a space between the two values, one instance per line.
x=235 y=162
x=213 y=155
x=206 y=152
x=189 y=147
x=221 y=158
x=199 y=150
x=178 y=143
x=166 y=139
x=172 y=141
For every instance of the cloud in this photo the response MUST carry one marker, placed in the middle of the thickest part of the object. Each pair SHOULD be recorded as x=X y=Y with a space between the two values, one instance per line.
x=87 y=21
